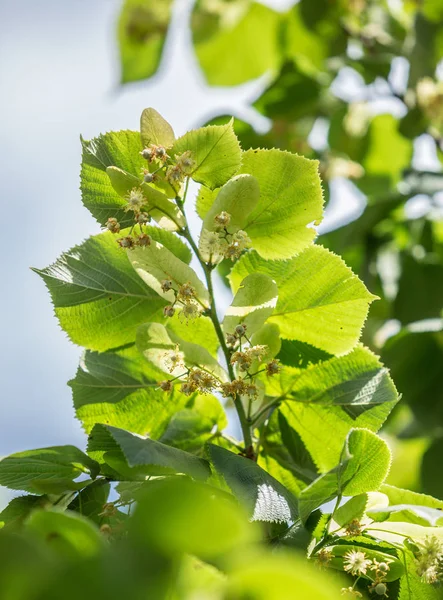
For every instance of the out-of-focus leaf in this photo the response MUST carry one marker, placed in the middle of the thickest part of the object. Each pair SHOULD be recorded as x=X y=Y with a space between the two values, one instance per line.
x=142 y=30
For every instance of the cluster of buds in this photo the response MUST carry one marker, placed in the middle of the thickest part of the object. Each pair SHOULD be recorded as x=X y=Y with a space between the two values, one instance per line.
x=379 y=570
x=182 y=167
x=353 y=528
x=186 y=297
x=198 y=380
x=233 y=338
x=154 y=152
x=239 y=387
x=129 y=241
x=220 y=243
x=429 y=560
x=245 y=359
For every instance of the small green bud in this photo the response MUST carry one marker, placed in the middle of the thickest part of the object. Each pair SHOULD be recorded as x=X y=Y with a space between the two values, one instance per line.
x=143 y=218
x=148 y=178
x=380 y=589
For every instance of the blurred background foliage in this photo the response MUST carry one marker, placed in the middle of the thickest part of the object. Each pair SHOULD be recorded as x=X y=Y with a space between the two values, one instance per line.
x=356 y=84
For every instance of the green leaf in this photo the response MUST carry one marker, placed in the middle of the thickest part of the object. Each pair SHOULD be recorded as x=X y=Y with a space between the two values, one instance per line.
x=320 y=300
x=265 y=498
x=90 y=501
x=97 y=297
x=154 y=129
x=315 y=423
x=253 y=303
x=156 y=342
x=357 y=382
x=398 y=496
x=352 y=509
x=279 y=576
x=290 y=200
x=19 y=509
x=177 y=516
x=387 y=155
x=238 y=197
x=189 y=429
x=47 y=470
x=420 y=289
x=215 y=150
x=157 y=263
x=364 y=465
x=121 y=389
x=249 y=27
x=119 y=149
x=414 y=352
x=142 y=30
x=162 y=210
x=135 y=457
x=68 y=533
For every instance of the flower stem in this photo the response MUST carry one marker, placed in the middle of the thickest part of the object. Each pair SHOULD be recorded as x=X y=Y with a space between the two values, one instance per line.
x=207 y=269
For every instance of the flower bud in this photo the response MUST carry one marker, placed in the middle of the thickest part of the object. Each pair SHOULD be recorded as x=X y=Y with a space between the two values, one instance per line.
x=113 y=225
x=165 y=385
x=126 y=242
x=148 y=178
x=240 y=330
x=144 y=240
x=223 y=219
x=169 y=311
x=166 y=285
x=146 y=153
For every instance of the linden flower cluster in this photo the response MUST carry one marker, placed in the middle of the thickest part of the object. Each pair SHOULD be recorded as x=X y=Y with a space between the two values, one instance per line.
x=198 y=379
x=220 y=243
x=185 y=297
x=429 y=560
x=175 y=170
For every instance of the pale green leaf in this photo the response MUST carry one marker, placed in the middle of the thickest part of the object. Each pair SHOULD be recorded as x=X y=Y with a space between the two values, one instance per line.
x=97 y=297
x=157 y=342
x=156 y=263
x=356 y=381
x=253 y=303
x=136 y=457
x=268 y=335
x=291 y=199
x=399 y=496
x=265 y=498
x=364 y=465
x=121 y=389
x=249 y=27
x=215 y=150
x=320 y=300
x=19 y=509
x=238 y=197
x=142 y=30
x=205 y=199
x=46 y=470
x=154 y=129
